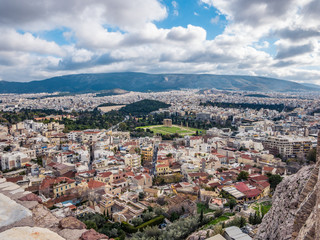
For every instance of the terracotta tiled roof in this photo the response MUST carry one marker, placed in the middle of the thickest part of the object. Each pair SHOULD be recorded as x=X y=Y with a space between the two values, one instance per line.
x=92 y=184
x=105 y=174
x=15 y=179
x=129 y=174
x=139 y=177
x=267 y=169
x=49 y=181
x=258 y=178
x=88 y=172
x=162 y=165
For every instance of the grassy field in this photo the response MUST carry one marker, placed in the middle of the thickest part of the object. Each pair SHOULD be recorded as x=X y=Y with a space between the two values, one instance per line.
x=174 y=129
x=265 y=207
x=217 y=220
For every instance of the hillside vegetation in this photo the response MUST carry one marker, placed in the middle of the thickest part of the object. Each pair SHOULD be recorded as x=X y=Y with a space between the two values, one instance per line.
x=130 y=81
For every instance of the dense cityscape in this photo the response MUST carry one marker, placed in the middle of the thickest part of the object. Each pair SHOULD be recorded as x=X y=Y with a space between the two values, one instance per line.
x=187 y=164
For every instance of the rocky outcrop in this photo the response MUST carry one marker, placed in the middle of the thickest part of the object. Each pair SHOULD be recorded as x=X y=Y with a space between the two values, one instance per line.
x=71 y=223
x=42 y=217
x=23 y=216
x=201 y=235
x=292 y=198
x=295 y=212
x=72 y=234
x=31 y=197
x=30 y=233
x=93 y=235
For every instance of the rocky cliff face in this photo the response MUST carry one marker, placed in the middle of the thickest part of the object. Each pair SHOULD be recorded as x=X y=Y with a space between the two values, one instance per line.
x=22 y=216
x=293 y=211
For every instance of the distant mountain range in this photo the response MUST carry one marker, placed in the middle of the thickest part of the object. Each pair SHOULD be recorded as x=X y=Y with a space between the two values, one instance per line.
x=131 y=81
x=313 y=86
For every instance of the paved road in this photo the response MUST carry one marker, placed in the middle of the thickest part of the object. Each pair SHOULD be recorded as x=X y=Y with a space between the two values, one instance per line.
x=154 y=160
x=117 y=125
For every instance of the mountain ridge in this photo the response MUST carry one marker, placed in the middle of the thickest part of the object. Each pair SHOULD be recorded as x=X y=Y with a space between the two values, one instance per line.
x=136 y=81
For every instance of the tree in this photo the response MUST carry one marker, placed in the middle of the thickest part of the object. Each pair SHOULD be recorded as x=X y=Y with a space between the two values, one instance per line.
x=123 y=126
x=274 y=180
x=137 y=221
x=141 y=195
x=218 y=213
x=242 y=221
x=312 y=155
x=147 y=216
x=159 y=211
x=161 y=201
x=232 y=203
x=91 y=224
x=174 y=216
x=201 y=216
x=243 y=175
x=255 y=219
x=237 y=221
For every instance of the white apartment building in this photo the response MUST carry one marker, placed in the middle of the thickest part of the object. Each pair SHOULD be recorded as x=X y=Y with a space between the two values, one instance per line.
x=13 y=160
x=288 y=146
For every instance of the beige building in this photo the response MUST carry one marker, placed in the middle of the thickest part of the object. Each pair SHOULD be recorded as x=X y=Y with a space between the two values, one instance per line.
x=63 y=187
x=105 y=177
x=288 y=146
x=147 y=153
x=143 y=180
x=115 y=191
x=132 y=160
x=167 y=122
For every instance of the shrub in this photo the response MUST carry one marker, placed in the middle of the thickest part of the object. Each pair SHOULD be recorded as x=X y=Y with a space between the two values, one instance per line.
x=127 y=227
x=238 y=221
x=91 y=224
x=152 y=222
x=218 y=213
x=137 y=221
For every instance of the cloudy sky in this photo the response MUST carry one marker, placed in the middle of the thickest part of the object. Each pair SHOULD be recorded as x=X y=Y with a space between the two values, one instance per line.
x=45 y=38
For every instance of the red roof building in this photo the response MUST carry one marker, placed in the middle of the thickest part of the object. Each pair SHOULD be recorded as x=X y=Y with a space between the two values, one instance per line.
x=92 y=184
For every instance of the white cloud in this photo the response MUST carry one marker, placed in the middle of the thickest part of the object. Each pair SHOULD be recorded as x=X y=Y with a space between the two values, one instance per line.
x=175 y=8
x=37 y=15
x=191 y=33
x=121 y=35
x=13 y=41
x=215 y=20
